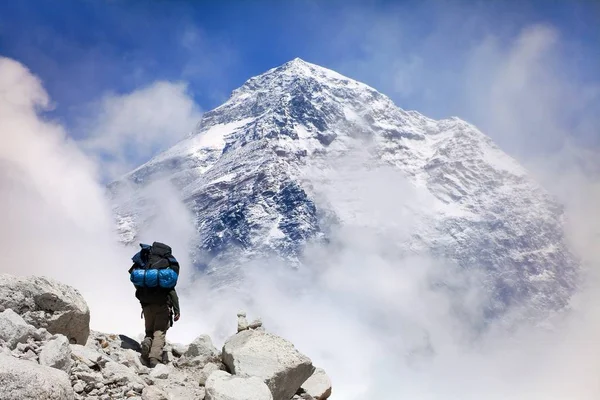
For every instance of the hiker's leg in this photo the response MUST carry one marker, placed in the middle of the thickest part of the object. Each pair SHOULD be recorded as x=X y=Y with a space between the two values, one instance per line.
x=149 y=320
x=161 y=325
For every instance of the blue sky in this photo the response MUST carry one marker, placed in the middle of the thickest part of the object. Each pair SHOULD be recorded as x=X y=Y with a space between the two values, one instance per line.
x=425 y=55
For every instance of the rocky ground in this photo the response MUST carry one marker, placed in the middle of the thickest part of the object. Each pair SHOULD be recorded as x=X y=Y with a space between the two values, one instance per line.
x=47 y=351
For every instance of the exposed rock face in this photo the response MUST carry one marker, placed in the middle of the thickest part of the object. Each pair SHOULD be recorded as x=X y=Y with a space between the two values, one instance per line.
x=48 y=304
x=26 y=380
x=35 y=364
x=14 y=329
x=318 y=385
x=223 y=386
x=57 y=354
x=207 y=371
x=275 y=360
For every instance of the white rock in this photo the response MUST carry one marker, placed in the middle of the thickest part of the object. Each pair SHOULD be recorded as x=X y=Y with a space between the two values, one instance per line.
x=202 y=350
x=318 y=385
x=206 y=371
x=161 y=371
x=27 y=380
x=223 y=386
x=57 y=354
x=132 y=359
x=269 y=357
x=178 y=349
x=114 y=372
x=90 y=377
x=257 y=323
x=41 y=335
x=14 y=329
x=45 y=303
x=88 y=356
x=30 y=355
x=242 y=323
x=153 y=393
x=78 y=387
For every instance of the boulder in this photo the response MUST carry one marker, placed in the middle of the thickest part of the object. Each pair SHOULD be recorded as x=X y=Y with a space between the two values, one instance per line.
x=57 y=354
x=27 y=380
x=207 y=371
x=200 y=352
x=223 y=386
x=203 y=347
x=269 y=357
x=45 y=303
x=14 y=329
x=318 y=385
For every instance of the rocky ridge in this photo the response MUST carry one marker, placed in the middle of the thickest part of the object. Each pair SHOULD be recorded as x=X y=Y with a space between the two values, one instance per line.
x=37 y=364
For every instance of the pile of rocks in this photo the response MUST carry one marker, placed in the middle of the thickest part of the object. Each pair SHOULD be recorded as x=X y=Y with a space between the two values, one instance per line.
x=41 y=358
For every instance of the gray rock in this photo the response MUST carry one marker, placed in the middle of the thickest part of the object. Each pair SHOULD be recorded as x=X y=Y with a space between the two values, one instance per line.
x=93 y=378
x=242 y=323
x=115 y=373
x=30 y=356
x=200 y=352
x=202 y=346
x=14 y=329
x=41 y=335
x=318 y=385
x=45 y=303
x=178 y=349
x=57 y=354
x=26 y=380
x=78 y=387
x=153 y=393
x=88 y=356
x=132 y=359
x=161 y=371
x=207 y=371
x=257 y=323
x=269 y=357
x=223 y=386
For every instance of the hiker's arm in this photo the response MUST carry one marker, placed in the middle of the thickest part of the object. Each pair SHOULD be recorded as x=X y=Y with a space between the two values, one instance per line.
x=175 y=302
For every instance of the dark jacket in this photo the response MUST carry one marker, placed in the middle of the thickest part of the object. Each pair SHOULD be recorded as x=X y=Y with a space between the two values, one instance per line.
x=158 y=296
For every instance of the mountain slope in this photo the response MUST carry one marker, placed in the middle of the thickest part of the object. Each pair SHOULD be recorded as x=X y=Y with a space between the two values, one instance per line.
x=267 y=172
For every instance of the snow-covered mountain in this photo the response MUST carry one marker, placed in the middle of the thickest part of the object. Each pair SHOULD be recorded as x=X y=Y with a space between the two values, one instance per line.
x=287 y=158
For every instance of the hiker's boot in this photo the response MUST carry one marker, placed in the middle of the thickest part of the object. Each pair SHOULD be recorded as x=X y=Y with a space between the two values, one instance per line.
x=146 y=345
x=153 y=362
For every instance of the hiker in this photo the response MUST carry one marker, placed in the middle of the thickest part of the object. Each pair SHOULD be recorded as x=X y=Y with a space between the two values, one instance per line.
x=154 y=275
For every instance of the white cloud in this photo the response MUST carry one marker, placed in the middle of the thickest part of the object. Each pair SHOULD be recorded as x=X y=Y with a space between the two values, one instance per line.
x=57 y=221
x=128 y=129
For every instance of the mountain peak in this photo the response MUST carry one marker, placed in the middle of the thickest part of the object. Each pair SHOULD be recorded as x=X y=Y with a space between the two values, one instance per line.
x=297 y=72
x=247 y=173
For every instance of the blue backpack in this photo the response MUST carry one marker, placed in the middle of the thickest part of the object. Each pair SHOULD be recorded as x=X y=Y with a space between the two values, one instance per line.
x=154 y=266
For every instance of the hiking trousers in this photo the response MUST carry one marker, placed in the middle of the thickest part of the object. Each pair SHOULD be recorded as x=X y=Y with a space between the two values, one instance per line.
x=157 y=318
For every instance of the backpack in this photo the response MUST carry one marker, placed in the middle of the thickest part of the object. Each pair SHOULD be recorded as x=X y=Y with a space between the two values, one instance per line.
x=154 y=267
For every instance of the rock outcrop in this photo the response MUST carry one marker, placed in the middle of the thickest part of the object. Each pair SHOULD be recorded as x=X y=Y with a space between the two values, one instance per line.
x=48 y=304
x=26 y=380
x=37 y=364
x=269 y=357
x=223 y=386
x=318 y=385
x=14 y=329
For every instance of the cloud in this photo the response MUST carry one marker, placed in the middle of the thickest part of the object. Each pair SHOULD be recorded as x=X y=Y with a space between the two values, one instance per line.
x=57 y=220
x=126 y=130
